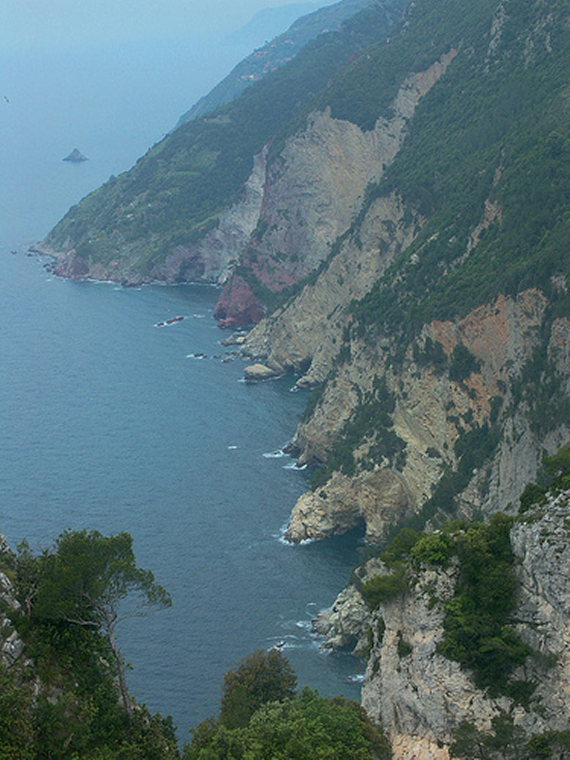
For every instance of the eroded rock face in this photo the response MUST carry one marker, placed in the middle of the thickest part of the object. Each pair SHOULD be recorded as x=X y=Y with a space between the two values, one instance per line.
x=307 y=331
x=343 y=626
x=419 y=696
x=11 y=645
x=542 y=546
x=346 y=625
x=431 y=412
x=72 y=266
x=316 y=186
x=211 y=259
x=259 y=372
x=344 y=503
x=238 y=305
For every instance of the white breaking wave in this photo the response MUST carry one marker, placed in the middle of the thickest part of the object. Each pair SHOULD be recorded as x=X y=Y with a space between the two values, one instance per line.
x=280 y=536
x=278 y=454
x=295 y=466
x=356 y=678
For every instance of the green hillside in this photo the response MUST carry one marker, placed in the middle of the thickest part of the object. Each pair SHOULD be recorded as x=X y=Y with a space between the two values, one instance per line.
x=496 y=130
x=275 y=54
x=175 y=193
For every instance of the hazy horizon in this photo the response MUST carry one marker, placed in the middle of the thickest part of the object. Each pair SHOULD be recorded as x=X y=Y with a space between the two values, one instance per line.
x=37 y=25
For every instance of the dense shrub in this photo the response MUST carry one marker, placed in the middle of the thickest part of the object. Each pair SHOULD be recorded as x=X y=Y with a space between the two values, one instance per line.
x=262 y=677
x=476 y=624
x=382 y=588
x=433 y=549
x=287 y=727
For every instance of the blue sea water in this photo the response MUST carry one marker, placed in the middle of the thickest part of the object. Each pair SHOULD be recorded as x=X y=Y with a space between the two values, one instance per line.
x=108 y=422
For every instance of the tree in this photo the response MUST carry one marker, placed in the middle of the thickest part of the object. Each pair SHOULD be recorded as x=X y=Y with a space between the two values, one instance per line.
x=262 y=677
x=92 y=581
x=306 y=726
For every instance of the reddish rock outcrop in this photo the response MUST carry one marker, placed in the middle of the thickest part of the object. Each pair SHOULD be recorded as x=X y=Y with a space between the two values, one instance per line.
x=238 y=304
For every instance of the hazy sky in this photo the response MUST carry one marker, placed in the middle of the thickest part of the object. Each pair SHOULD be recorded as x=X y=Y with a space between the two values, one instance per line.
x=45 y=23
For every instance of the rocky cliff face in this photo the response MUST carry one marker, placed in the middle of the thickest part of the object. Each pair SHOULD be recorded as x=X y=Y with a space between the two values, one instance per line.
x=212 y=258
x=422 y=698
x=443 y=379
x=433 y=410
x=313 y=190
x=11 y=645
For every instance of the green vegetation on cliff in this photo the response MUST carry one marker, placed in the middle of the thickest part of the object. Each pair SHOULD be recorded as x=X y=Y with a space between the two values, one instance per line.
x=277 y=53
x=60 y=700
x=489 y=145
x=478 y=631
x=175 y=193
x=371 y=424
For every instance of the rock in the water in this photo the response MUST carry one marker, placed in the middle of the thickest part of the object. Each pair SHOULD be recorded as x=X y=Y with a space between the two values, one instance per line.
x=75 y=157
x=259 y=372
x=344 y=625
x=237 y=339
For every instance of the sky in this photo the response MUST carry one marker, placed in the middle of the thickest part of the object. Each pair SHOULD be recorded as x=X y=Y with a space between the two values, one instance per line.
x=43 y=24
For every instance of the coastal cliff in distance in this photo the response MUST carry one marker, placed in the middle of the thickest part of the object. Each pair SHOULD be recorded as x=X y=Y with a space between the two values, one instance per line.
x=276 y=53
x=400 y=239
x=187 y=209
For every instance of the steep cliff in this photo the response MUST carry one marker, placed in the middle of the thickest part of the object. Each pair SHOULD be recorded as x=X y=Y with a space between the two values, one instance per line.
x=438 y=324
x=431 y=704
x=314 y=189
x=187 y=208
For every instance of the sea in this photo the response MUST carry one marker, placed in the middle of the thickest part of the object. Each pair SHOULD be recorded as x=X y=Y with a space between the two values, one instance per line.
x=108 y=422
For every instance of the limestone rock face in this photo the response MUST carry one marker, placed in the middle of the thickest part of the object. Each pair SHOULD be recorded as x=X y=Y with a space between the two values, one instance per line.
x=306 y=331
x=343 y=626
x=210 y=260
x=11 y=645
x=344 y=503
x=259 y=372
x=542 y=547
x=431 y=412
x=418 y=695
x=316 y=186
